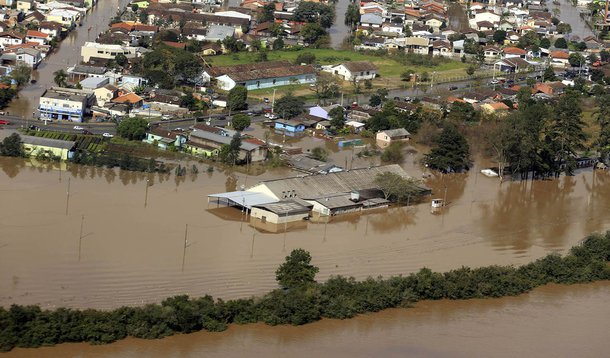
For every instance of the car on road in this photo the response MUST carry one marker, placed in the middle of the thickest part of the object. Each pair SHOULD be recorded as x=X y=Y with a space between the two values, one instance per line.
x=453 y=88
x=4 y=121
x=266 y=100
x=494 y=82
x=87 y=132
x=107 y=135
x=78 y=128
x=2 y=113
x=165 y=117
x=270 y=115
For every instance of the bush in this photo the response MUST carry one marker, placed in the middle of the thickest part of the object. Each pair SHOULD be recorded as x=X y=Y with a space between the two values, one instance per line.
x=301 y=301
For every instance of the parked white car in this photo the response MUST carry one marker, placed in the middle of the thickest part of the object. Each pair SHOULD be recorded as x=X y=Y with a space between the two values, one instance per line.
x=107 y=135
x=78 y=128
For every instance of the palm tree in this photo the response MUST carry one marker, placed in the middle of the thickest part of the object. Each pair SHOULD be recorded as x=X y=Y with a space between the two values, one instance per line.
x=60 y=78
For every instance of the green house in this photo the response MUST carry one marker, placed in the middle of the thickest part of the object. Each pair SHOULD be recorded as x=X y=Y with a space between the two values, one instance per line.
x=200 y=149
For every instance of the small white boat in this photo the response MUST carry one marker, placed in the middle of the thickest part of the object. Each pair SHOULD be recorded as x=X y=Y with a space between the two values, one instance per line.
x=437 y=203
x=489 y=173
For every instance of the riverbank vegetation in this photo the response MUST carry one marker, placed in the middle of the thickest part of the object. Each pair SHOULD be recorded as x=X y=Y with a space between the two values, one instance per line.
x=300 y=299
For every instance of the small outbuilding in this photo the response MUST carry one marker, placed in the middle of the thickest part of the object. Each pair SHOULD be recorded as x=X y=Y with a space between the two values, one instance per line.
x=282 y=212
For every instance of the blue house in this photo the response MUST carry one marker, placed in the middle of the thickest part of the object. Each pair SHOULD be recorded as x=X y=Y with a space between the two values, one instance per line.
x=290 y=127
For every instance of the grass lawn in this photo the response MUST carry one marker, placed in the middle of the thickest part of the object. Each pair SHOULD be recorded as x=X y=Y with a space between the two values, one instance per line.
x=388 y=67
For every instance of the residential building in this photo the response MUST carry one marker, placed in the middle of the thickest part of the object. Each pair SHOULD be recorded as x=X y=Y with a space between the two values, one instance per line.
x=165 y=139
x=248 y=152
x=25 y=5
x=67 y=18
x=389 y=136
x=355 y=70
x=200 y=149
x=10 y=38
x=28 y=56
x=44 y=147
x=289 y=127
x=37 y=36
x=105 y=94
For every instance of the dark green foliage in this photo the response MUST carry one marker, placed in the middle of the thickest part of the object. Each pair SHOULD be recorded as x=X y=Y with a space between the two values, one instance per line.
x=297 y=271
x=306 y=57
x=237 y=98
x=167 y=66
x=6 y=96
x=499 y=36
x=319 y=153
x=12 y=146
x=316 y=13
x=312 y=33
x=451 y=151
x=391 y=117
x=289 y=106
x=132 y=128
x=240 y=122
x=561 y=43
x=303 y=302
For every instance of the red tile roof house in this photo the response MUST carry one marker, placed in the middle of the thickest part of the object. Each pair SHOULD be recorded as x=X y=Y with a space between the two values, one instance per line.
x=37 y=36
x=513 y=52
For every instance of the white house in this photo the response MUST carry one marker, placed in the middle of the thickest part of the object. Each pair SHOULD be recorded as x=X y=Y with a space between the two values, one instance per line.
x=355 y=70
x=10 y=39
x=37 y=36
x=28 y=56
x=389 y=136
x=371 y=20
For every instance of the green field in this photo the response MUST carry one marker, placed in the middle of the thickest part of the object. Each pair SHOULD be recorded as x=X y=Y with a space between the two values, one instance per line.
x=388 y=67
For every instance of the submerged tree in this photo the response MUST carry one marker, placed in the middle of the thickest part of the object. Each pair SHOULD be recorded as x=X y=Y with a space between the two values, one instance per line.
x=12 y=146
x=451 y=151
x=297 y=271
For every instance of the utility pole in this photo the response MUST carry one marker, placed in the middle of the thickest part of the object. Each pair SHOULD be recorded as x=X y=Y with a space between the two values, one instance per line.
x=80 y=237
x=185 y=245
x=68 y=196
x=146 y=195
x=273 y=101
x=252 y=246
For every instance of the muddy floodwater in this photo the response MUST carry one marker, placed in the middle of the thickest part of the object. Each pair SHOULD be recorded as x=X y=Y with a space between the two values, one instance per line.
x=110 y=250
x=552 y=321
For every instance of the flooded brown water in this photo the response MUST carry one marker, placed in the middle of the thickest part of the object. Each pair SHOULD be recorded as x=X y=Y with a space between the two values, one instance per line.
x=552 y=321
x=67 y=54
x=130 y=255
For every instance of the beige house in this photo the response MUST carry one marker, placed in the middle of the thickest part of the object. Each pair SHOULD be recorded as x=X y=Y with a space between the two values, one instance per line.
x=105 y=94
x=389 y=136
x=355 y=70
x=25 y=5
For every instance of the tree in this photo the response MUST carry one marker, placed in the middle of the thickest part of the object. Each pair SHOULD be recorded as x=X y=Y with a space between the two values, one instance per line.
x=545 y=42
x=289 y=106
x=561 y=43
x=240 y=122
x=232 y=44
x=306 y=57
x=326 y=86
x=375 y=100
x=188 y=101
x=12 y=146
x=132 y=128
x=312 y=32
x=604 y=55
x=278 y=44
x=317 y=13
x=352 y=15
x=451 y=151
x=297 y=270
x=576 y=59
x=320 y=154
x=470 y=70
x=499 y=36
x=602 y=117
x=397 y=188
x=549 y=74
x=463 y=112
x=21 y=74
x=266 y=13
x=406 y=75
x=565 y=132
x=393 y=154
x=337 y=117
x=121 y=60
x=229 y=153
x=564 y=28
x=237 y=98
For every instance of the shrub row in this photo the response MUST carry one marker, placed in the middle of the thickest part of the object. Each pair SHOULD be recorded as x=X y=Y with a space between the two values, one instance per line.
x=339 y=297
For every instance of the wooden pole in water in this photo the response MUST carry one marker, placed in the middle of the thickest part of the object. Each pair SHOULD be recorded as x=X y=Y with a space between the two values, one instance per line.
x=80 y=236
x=185 y=245
x=68 y=196
x=146 y=195
x=252 y=247
x=325 y=225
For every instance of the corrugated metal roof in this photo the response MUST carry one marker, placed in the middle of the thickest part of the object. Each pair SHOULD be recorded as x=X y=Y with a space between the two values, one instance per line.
x=217 y=138
x=286 y=207
x=320 y=185
x=247 y=199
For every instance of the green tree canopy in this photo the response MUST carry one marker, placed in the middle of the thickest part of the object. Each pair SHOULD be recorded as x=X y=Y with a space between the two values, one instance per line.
x=297 y=270
x=499 y=36
x=21 y=74
x=133 y=128
x=549 y=74
x=240 y=122
x=450 y=152
x=237 y=98
x=393 y=154
x=396 y=187
x=561 y=43
x=12 y=146
x=318 y=13
x=337 y=117
x=312 y=32
x=289 y=106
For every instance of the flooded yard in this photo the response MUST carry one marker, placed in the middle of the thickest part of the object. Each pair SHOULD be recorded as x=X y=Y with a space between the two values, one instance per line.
x=110 y=250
